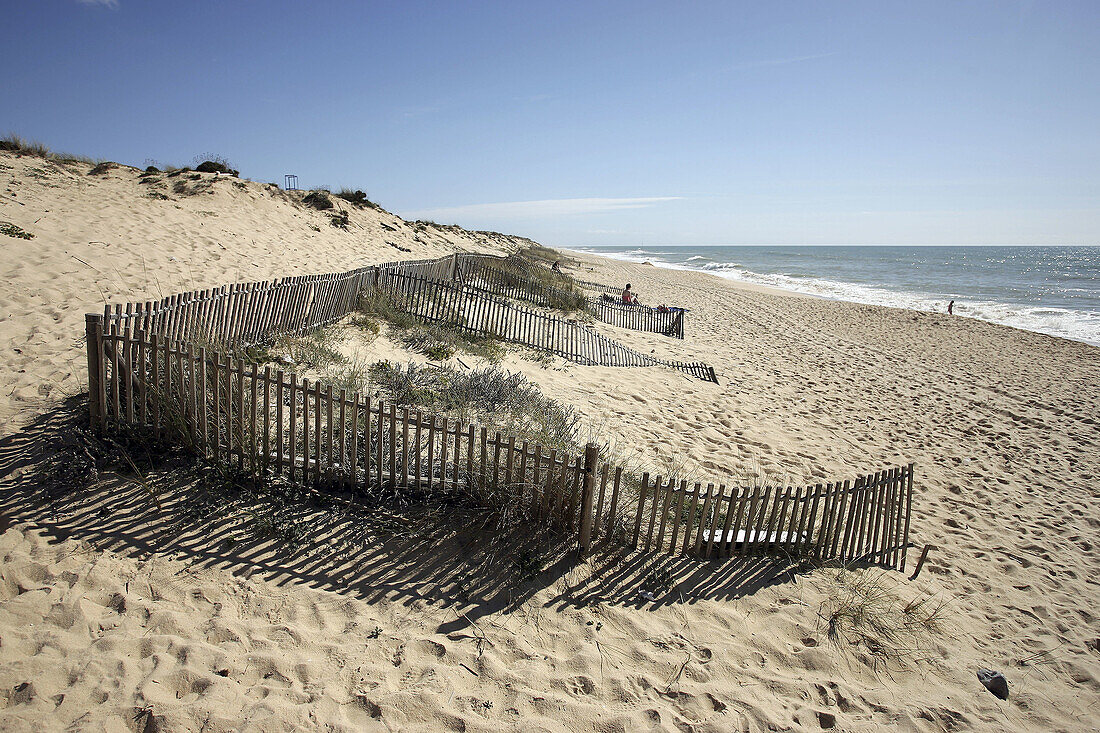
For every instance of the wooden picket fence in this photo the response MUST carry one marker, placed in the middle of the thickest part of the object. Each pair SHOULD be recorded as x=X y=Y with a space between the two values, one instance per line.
x=482 y=313
x=598 y=287
x=248 y=313
x=669 y=322
x=862 y=521
x=163 y=368
x=271 y=423
x=498 y=276
x=245 y=313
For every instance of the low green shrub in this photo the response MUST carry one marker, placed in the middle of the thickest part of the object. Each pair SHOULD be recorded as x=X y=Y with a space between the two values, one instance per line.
x=318 y=200
x=212 y=166
x=102 y=168
x=356 y=197
x=367 y=324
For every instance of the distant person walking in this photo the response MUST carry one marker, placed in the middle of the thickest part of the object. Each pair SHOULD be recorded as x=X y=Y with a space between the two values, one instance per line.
x=951 y=308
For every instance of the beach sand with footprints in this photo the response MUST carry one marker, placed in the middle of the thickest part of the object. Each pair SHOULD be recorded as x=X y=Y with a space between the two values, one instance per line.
x=112 y=617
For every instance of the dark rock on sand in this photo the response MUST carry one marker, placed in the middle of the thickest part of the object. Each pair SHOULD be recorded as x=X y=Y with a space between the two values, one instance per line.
x=995 y=682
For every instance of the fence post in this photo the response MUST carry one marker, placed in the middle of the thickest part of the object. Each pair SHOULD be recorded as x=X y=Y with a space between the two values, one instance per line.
x=97 y=398
x=591 y=455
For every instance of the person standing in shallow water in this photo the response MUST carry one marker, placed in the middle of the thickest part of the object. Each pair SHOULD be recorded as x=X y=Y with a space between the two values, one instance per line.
x=950 y=307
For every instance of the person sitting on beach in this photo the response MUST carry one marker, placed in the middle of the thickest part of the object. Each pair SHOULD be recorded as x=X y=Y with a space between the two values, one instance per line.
x=556 y=267
x=662 y=308
x=629 y=297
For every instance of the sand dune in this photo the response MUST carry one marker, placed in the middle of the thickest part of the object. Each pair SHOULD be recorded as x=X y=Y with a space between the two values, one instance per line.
x=103 y=238
x=120 y=622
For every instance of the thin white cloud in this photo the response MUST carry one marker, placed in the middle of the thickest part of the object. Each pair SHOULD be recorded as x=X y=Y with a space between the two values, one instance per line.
x=112 y=4
x=534 y=98
x=537 y=209
x=410 y=112
x=780 y=62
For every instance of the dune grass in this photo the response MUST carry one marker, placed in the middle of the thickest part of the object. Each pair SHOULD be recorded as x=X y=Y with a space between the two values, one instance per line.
x=438 y=342
x=356 y=197
x=22 y=146
x=497 y=399
x=864 y=611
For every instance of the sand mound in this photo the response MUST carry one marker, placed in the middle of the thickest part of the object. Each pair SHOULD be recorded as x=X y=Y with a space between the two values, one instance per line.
x=123 y=236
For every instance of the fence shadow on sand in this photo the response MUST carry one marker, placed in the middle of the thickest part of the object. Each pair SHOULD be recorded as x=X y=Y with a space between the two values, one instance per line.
x=450 y=558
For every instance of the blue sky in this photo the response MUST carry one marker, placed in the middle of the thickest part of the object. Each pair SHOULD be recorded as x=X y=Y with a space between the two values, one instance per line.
x=588 y=123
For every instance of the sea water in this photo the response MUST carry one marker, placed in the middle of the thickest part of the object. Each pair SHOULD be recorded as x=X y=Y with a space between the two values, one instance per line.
x=1052 y=290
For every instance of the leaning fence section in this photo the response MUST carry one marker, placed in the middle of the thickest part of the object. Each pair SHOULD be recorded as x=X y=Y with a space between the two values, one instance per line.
x=669 y=321
x=496 y=276
x=865 y=520
x=598 y=287
x=484 y=314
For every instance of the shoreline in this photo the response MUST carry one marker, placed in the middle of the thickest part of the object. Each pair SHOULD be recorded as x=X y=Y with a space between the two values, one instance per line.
x=740 y=284
x=759 y=287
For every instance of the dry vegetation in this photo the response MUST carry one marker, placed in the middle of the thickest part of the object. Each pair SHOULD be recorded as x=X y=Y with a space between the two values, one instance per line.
x=864 y=612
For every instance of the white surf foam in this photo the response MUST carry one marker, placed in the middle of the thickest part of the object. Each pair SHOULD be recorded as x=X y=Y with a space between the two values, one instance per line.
x=1063 y=322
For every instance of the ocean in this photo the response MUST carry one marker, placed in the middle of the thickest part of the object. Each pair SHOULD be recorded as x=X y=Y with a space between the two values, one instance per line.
x=1052 y=290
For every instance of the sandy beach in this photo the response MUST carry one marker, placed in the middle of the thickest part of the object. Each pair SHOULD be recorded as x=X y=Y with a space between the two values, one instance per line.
x=110 y=621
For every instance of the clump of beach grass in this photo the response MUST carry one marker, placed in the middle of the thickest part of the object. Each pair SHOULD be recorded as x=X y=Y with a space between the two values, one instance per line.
x=532 y=277
x=366 y=323
x=438 y=342
x=537 y=253
x=497 y=399
x=22 y=146
x=316 y=349
x=441 y=343
x=356 y=197
x=382 y=305
x=863 y=611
